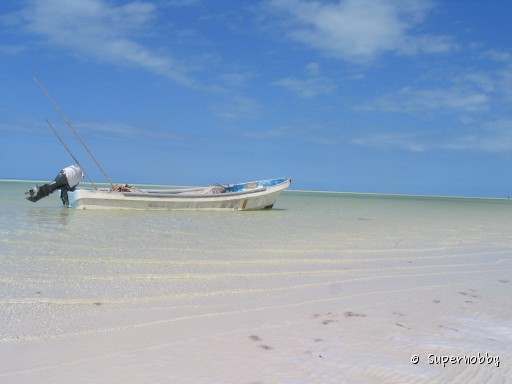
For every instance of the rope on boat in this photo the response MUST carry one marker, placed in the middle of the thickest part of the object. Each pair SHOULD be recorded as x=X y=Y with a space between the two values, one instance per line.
x=213 y=190
x=124 y=188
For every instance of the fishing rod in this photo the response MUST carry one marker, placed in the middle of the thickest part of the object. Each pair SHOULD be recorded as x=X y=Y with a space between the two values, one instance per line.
x=71 y=154
x=74 y=130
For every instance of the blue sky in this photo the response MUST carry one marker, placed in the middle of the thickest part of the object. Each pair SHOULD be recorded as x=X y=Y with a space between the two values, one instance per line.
x=391 y=96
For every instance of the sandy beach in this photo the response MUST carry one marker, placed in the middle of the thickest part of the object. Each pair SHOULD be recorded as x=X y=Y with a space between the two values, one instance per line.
x=348 y=337
x=365 y=291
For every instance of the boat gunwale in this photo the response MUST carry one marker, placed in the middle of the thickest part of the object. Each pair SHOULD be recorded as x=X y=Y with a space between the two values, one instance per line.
x=83 y=195
x=184 y=195
x=182 y=192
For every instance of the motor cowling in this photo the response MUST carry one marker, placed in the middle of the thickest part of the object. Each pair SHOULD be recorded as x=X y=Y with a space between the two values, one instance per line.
x=67 y=180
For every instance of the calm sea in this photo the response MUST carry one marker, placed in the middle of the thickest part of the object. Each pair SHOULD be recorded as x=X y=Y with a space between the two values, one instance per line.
x=58 y=264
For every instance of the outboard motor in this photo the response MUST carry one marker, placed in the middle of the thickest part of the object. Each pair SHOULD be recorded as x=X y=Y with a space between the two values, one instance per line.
x=66 y=180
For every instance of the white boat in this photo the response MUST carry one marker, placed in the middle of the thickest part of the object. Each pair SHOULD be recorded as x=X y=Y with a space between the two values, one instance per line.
x=243 y=196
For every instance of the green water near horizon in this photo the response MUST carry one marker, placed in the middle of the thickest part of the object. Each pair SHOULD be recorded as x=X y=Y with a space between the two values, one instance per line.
x=85 y=184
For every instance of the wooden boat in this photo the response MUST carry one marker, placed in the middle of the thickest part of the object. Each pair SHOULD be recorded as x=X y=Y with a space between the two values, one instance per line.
x=243 y=196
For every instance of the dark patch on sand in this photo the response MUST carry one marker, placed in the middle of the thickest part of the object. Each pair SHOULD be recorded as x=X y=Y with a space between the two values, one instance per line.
x=262 y=346
x=316 y=315
x=330 y=315
x=450 y=328
x=470 y=294
x=353 y=314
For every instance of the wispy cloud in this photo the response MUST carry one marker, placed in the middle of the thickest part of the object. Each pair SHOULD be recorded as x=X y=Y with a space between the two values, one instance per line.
x=103 y=31
x=408 y=99
x=391 y=141
x=455 y=89
x=11 y=49
x=503 y=72
x=492 y=137
x=237 y=107
x=115 y=131
x=310 y=133
x=495 y=136
x=313 y=85
x=359 y=30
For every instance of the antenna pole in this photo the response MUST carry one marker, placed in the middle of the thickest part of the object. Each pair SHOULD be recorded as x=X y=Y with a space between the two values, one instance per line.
x=71 y=154
x=73 y=129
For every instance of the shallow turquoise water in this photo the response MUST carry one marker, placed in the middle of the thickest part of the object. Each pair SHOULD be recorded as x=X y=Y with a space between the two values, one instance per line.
x=59 y=265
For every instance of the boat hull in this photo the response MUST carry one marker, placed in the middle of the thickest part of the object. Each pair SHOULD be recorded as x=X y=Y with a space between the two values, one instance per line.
x=245 y=196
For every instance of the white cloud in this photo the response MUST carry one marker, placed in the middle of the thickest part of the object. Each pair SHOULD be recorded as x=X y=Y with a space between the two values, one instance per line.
x=358 y=30
x=102 y=31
